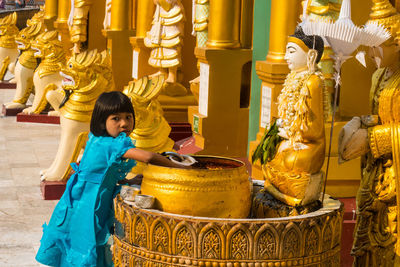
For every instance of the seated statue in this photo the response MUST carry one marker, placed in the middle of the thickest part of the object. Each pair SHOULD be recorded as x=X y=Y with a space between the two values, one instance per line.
x=293 y=175
x=376 y=137
x=86 y=76
x=8 y=47
x=47 y=76
x=26 y=63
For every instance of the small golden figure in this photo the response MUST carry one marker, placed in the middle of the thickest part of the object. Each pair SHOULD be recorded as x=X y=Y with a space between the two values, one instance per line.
x=165 y=40
x=26 y=62
x=46 y=77
x=8 y=47
x=79 y=22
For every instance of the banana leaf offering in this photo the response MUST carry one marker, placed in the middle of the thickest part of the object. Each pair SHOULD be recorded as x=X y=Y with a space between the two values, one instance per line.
x=266 y=149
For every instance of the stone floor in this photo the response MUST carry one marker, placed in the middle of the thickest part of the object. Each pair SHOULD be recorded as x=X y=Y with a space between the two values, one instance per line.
x=25 y=149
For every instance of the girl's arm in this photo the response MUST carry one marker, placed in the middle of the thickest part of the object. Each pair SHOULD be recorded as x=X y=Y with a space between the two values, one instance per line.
x=150 y=157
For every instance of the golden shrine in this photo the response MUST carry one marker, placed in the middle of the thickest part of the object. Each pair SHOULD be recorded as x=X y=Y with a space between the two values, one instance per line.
x=199 y=62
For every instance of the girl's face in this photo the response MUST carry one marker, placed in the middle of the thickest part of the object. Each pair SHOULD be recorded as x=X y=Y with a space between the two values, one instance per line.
x=118 y=123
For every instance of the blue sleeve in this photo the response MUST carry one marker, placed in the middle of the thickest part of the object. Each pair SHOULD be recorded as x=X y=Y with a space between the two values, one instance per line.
x=119 y=146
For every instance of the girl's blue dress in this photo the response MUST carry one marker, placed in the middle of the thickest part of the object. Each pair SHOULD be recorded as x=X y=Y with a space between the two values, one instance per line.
x=81 y=222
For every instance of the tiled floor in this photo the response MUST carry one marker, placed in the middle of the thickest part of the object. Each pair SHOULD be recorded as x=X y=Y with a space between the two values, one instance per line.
x=25 y=149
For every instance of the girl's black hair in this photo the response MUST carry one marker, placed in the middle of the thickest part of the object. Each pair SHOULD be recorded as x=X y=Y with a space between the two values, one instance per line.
x=107 y=104
x=311 y=41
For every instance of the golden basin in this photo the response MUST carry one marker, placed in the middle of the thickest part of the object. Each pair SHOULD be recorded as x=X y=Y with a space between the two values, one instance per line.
x=214 y=187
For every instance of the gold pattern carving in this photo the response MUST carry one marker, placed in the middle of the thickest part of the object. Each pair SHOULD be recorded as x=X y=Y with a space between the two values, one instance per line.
x=160 y=238
x=291 y=244
x=211 y=245
x=184 y=243
x=199 y=241
x=239 y=246
x=140 y=234
x=312 y=241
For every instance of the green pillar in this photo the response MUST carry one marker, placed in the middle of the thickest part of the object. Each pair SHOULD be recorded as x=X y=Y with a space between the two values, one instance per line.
x=261 y=21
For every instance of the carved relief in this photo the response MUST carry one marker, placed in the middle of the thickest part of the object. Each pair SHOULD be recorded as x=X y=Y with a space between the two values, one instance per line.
x=127 y=226
x=138 y=262
x=312 y=241
x=198 y=242
x=239 y=246
x=211 y=245
x=267 y=239
x=140 y=233
x=184 y=243
x=327 y=237
x=291 y=246
x=160 y=238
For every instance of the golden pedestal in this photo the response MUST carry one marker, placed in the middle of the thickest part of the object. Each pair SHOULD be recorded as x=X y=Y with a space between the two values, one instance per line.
x=220 y=121
x=121 y=51
x=155 y=238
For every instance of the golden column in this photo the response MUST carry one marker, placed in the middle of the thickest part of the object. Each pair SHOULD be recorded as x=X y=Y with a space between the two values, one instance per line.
x=224 y=31
x=141 y=54
x=119 y=16
x=273 y=71
x=61 y=24
x=50 y=13
x=220 y=121
x=118 y=41
x=144 y=16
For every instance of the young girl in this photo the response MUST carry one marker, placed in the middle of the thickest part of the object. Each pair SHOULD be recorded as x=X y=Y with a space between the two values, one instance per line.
x=80 y=225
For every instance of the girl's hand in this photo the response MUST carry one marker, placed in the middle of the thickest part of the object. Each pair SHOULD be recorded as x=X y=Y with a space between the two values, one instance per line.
x=137 y=180
x=150 y=157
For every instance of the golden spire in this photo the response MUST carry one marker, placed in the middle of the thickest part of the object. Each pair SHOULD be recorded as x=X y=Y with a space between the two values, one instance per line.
x=386 y=15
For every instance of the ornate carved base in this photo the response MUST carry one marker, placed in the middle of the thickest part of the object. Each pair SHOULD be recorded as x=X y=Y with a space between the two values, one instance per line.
x=38 y=118
x=266 y=206
x=10 y=111
x=52 y=190
x=154 y=238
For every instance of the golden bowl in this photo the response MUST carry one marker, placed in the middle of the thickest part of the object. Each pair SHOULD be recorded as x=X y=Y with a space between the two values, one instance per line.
x=215 y=187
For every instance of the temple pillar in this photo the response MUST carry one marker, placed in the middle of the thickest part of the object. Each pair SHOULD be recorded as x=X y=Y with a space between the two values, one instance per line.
x=61 y=24
x=141 y=53
x=220 y=121
x=118 y=42
x=50 y=13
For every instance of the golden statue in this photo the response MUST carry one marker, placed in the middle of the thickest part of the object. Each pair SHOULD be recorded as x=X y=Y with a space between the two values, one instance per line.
x=8 y=47
x=376 y=240
x=292 y=175
x=325 y=8
x=26 y=63
x=86 y=76
x=152 y=129
x=78 y=22
x=49 y=49
x=165 y=40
